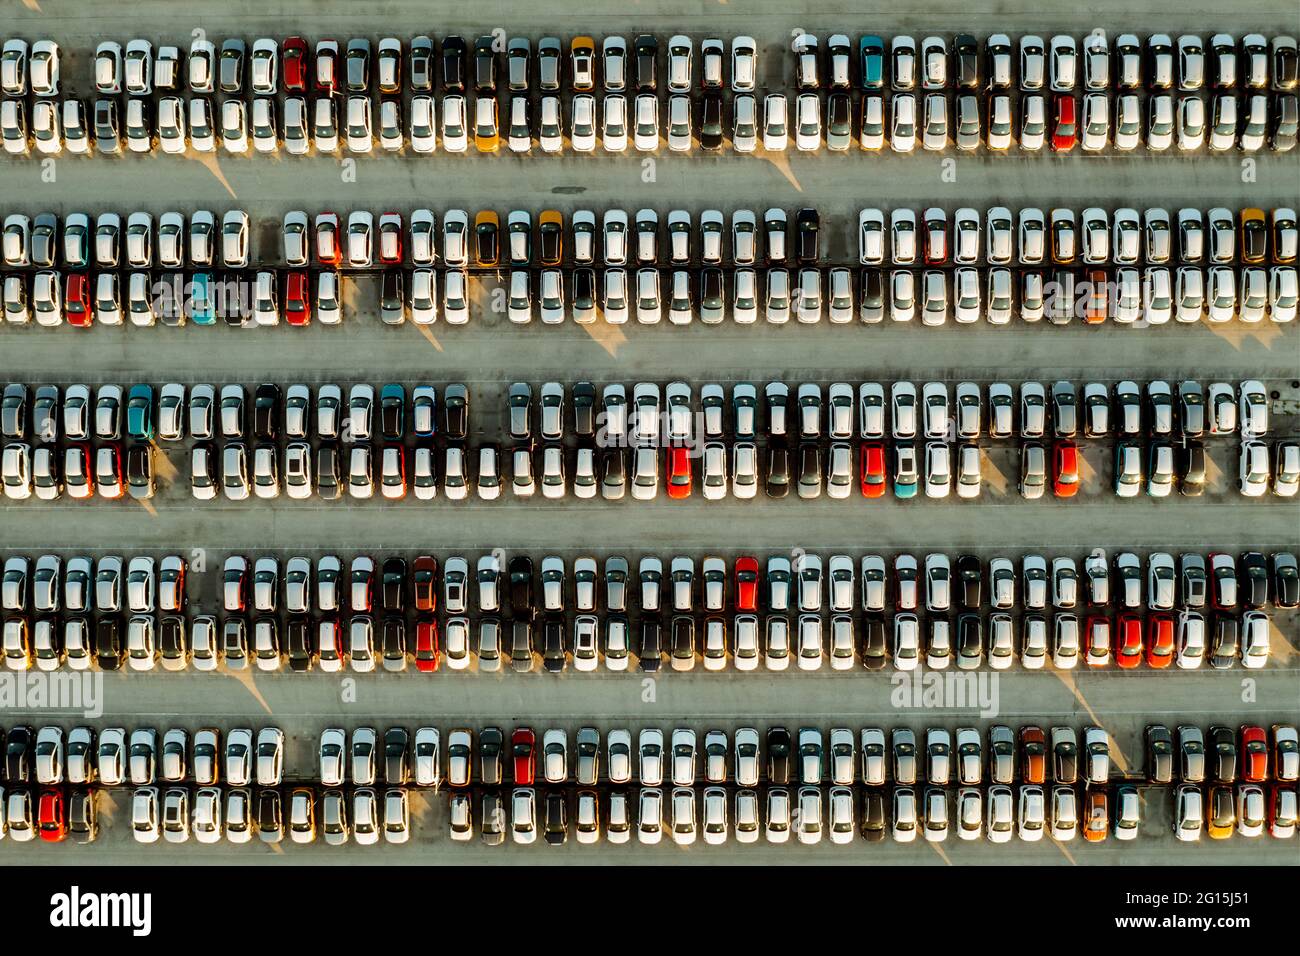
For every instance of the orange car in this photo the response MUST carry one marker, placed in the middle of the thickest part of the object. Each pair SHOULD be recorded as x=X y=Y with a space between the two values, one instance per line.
x=1096 y=816
x=1160 y=646
x=1033 y=754
x=1254 y=236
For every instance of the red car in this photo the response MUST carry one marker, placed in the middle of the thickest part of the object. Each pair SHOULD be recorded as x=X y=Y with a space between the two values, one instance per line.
x=1160 y=646
x=424 y=581
x=523 y=747
x=873 y=469
x=327 y=55
x=1254 y=754
x=1065 y=471
x=1128 y=642
x=328 y=249
x=746 y=584
x=679 y=473
x=427 y=654
x=1064 y=129
x=50 y=818
x=293 y=61
x=76 y=300
x=297 y=299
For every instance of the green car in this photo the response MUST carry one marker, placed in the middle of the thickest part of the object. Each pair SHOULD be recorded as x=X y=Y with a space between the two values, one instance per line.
x=200 y=299
x=139 y=413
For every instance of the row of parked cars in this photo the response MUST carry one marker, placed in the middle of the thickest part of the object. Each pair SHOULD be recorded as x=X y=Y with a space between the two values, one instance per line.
x=1050 y=72
x=1183 y=123
x=143 y=584
x=649 y=295
x=647 y=415
x=901 y=236
x=1193 y=628
x=1059 y=64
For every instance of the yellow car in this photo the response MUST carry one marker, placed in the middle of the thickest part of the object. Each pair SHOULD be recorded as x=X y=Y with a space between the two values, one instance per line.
x=486 y=137
x=1221 y=818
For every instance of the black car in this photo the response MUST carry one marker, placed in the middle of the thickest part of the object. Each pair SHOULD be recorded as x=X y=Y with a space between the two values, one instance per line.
x=1221 y=752
x=18 y=754
x=492 y=827
x=584 y=290
x=970 y=578
x=1223 y=645
x=301 y=637
x=392 y=297
x=266 y=412
x=234 y=642
x=839 y=117
x=1252 y=586
x=1159 y=754
x=584 y=409
x=1286 y=580
x=453 y=64
x=455 y=406
x=396 y=744
x=392 y=593
x=270 y=818
x=327 y=473
x=873 y=642
x=650 y=652
x=645 y=51
x=420 y=69
x=520 y=573
x=173 y=645
x=109 y=652
x=613 y=472
x=711 y=121
x=778 y=471
x=554 y=658
x=970 y=637
x=356 y=68
x=682 y=647
x=873 y=815
x=490 y=742
x=556 y=825
x=807 y=229
x=1065 y=762
x=521 y=646
x=966 y=61
x=393 y=642
x=392 y=413
x=1189 y=462
x=485 y=65
x=83 y=815
x=139 y=471
x=230 y=66
x=779 y=756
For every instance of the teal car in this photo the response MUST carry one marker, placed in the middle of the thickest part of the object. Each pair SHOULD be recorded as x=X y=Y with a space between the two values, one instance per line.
x=906 y=476
x=871 y=54
x=139 y=413
x=200 y=299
